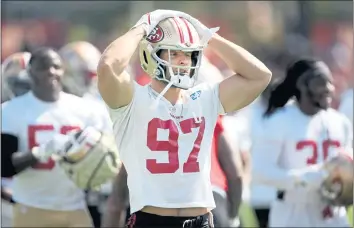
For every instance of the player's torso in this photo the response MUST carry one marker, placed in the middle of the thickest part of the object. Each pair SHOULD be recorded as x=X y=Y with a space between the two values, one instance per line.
x=311 y=139
x=46 y=185
x=166 y=151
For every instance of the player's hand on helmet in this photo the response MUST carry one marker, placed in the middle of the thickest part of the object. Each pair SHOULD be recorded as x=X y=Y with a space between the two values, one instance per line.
x=151 y=19
x=54 y=147
x=204 y=32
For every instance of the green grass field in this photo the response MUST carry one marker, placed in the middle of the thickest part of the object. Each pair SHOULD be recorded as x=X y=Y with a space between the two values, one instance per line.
x=350 y=215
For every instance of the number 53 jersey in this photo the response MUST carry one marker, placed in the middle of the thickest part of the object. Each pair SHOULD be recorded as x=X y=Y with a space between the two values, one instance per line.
x=35 y=122
x=166 y=149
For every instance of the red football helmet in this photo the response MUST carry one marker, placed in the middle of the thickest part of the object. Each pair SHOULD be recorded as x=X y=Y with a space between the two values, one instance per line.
x=80 y=60
x=15 y=80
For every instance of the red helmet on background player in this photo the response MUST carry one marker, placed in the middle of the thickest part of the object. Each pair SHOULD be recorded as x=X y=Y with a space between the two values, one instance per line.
x=80 y=61
x=15 y=80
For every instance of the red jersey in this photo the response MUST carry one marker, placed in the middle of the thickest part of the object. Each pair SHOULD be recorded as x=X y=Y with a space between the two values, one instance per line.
x=143 y=79
x=218 y=178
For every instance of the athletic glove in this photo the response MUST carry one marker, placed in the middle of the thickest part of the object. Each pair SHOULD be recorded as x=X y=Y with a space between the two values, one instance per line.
x=53 y=148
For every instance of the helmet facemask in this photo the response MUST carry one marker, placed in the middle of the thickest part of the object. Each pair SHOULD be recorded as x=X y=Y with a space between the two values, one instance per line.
x=160 y=69
x=175 y=74
x=172 y=34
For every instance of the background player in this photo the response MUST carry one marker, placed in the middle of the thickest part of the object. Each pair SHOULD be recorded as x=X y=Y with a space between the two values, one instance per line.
x=80 y=60
x=300 y=137
x=226 y=178
x=15 y=82
x=172 y=55
x=33 y=119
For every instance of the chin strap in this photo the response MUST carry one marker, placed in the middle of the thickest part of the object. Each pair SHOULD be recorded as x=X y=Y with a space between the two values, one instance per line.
x=156 y=101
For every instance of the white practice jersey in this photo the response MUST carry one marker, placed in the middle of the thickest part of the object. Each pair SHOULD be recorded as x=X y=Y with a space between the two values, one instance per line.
x=35 y=122
x=293 y=141
x=166 y=152
x=346 y=104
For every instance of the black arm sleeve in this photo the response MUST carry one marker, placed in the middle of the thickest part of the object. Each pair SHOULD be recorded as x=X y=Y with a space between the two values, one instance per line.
x=12 y=161
x=9 y=145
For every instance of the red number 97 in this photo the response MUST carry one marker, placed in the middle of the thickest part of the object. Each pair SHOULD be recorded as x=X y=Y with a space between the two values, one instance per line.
x=171 y=145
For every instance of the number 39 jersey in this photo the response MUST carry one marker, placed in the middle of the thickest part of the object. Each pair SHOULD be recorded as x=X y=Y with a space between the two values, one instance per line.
x=165 y=149
x=293 y=141
x=35 y=122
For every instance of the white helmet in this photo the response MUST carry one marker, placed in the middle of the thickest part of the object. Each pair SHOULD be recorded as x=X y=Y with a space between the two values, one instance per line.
x=15 y=80
x=171 y=34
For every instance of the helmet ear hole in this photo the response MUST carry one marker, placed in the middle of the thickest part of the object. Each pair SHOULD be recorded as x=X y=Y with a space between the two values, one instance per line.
x=145 y=58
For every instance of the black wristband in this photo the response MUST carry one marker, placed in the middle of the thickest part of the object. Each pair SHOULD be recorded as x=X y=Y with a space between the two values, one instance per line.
x=23 y=160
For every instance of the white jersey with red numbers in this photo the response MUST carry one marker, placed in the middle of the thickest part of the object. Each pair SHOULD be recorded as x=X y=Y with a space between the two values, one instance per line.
x=166 y=152
x=35 y=122
x=291 y=143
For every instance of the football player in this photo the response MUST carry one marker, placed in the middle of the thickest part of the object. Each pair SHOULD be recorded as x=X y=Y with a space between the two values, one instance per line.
x=15 y=80
x=261 y=196
x=80 y=60
x=226 y=174
x=164 y=130
x=298 y=141
x=43 y=193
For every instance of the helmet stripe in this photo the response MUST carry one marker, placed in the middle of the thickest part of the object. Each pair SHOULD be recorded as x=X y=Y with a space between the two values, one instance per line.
x=188 y=29
x=22 y=62
x=149 y=21
x=180 y=31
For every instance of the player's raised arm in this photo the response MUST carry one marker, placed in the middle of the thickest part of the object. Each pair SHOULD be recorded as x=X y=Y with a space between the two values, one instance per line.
x=250 y=79
x=114 y=83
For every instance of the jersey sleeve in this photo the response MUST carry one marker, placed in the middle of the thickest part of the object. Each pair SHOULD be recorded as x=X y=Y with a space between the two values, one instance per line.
x=217 y=102
x=266 y=152
x=213 y=90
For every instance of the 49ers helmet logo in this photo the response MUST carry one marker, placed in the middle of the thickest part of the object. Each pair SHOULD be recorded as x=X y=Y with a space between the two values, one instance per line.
x=156 y=35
